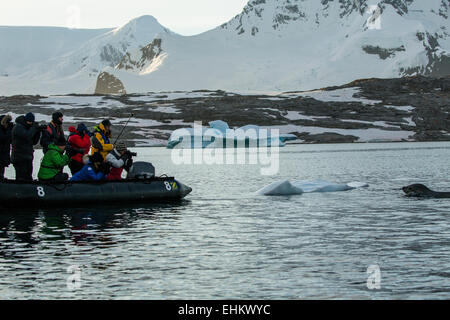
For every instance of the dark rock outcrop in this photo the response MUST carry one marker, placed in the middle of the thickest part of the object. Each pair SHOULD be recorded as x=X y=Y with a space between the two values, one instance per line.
x=382 y=52
x=109 y=84
x=147 y=54
x=327 y=137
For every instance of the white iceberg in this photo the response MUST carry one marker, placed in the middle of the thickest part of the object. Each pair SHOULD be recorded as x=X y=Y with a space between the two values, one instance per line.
x=220 y=135
x=286 y=187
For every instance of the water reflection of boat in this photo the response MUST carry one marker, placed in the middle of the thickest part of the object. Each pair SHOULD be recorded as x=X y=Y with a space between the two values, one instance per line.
x=17 y=194
x=80 y=225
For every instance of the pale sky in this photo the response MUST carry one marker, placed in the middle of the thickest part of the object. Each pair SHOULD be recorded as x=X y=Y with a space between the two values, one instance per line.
x=186 y=17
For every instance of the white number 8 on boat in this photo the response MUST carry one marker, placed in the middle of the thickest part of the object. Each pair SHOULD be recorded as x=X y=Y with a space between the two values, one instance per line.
x=40 y=192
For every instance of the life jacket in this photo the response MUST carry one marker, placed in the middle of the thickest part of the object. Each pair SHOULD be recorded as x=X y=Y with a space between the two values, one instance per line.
x=51 y=134
x=101 y=142
x=53 y=131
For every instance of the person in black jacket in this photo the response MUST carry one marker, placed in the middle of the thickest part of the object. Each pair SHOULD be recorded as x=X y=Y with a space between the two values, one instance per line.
x=54 y=131
x=25 y=135
x=6 y=127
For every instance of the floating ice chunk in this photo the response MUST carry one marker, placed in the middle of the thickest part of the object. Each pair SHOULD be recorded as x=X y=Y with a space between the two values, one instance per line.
x=286 y=187
x=219 y=135
x=220 y=125
x=287 y=137
x=280 y=188
x=320 y=186
x=188 y=138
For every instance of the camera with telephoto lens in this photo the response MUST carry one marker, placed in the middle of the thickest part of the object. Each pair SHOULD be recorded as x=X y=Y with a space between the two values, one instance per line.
x=129 y=154
x=41 y=127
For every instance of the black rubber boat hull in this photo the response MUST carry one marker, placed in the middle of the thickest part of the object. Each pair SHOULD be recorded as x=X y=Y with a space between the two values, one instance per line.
x=15 y=194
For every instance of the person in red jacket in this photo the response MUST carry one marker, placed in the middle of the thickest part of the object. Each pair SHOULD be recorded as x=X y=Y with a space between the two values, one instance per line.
x=80 y=145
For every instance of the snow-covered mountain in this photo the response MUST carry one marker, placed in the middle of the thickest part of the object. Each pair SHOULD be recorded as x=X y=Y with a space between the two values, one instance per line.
x=273 y=45
x=77 y=70
x=23 y=46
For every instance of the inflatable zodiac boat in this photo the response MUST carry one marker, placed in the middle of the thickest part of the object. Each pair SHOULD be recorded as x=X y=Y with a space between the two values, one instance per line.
x=139 y=187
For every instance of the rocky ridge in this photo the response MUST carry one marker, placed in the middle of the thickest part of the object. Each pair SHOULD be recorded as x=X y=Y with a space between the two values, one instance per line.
x=369 y=110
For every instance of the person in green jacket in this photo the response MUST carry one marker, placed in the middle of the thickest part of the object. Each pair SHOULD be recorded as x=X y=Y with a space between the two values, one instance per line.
x=54 y=162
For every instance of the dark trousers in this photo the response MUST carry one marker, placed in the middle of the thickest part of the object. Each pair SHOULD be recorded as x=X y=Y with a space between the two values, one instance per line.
x=24 y=170
x=2 y=172
x=75 y=166
x=60 y=177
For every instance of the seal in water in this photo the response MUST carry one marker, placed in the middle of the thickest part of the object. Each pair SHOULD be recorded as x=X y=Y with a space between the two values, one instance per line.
x=419 y=190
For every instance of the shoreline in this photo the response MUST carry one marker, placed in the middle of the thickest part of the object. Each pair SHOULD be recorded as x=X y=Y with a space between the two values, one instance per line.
x=314 y=144
x=369 y=110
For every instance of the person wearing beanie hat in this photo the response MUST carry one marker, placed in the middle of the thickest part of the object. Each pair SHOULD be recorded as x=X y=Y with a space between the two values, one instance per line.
x=58 y=118
x=121 y=147
x=107 y=123
x=25 y=135
x=119 y=159
x=82 y=129
x=95 y=170
x=53 y=163
x=61 y=143
x=72 y=131
x=29 y=117
x=101 y=139
x=6 y=127
x=79 y=145
x=53 y=132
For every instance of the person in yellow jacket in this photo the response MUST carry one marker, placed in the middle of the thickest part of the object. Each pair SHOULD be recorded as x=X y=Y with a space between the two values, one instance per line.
x=101 y=139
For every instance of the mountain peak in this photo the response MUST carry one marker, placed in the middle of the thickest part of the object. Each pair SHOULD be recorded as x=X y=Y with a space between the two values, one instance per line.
x=142 y=24
x=145 y=20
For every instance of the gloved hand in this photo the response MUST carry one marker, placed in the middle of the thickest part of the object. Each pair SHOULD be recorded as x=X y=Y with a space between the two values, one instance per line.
x=128 y=164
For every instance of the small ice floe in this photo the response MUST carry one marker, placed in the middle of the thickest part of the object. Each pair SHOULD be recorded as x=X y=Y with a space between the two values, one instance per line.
x=220 y=135
x=286 y=187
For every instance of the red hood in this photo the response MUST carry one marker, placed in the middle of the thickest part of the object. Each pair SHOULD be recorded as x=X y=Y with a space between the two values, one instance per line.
x=72 y=129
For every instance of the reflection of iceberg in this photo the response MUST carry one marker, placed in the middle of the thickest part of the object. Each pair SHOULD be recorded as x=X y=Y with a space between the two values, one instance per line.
x=286 y=187
x=219 y=135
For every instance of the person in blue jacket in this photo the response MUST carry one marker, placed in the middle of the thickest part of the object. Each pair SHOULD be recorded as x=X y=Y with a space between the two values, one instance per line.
x=95 y=170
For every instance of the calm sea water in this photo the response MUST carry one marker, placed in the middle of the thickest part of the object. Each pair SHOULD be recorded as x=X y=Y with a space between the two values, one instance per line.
x=223 y=241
